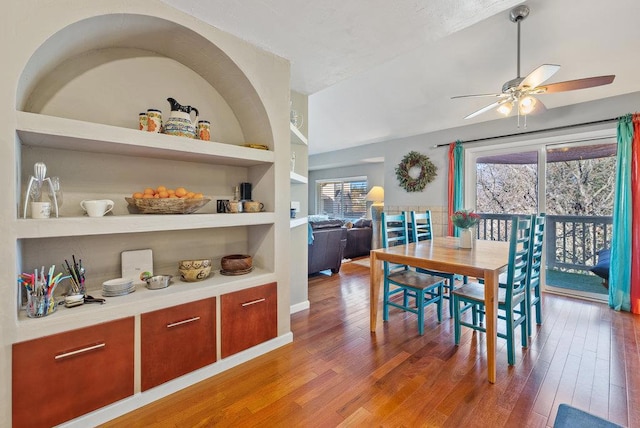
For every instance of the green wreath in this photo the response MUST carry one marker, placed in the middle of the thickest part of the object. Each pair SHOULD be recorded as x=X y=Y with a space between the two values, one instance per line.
x=428 y=171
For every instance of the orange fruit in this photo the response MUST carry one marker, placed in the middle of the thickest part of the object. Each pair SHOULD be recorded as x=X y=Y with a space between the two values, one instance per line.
x=147 y=196
x=171 y=191
x=156 y=196
x=198 y=196
x=173 y=196
x=161 y=189
x=163 y=194
x=189 y=195
x=137 y=195
x=149 y=191
x=180 y=192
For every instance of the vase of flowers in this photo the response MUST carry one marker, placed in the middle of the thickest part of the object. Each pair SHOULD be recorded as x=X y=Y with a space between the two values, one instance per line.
x=466 y=220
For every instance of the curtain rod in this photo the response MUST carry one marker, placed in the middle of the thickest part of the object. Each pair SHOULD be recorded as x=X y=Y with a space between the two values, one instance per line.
x=557 y=128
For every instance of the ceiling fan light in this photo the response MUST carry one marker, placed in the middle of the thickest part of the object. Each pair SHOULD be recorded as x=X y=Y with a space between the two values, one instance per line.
x=526 y=105
x=505 y=108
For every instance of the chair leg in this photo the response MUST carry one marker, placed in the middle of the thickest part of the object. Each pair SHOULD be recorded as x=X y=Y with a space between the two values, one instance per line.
x=456 y=317
x=525 y=309
x=440 y=302
x=420 y=307
x=538 y=305
x=385 y=309
x=511 y=349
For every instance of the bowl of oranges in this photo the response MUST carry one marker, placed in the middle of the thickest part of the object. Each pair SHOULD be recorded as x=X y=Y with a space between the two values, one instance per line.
x=162 y=200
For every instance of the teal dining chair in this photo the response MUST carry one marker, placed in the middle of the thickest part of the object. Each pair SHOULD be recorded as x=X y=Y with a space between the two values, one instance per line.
x=537 y=246
x=533 y=285
x=422 y=288
x=421 y=229
x=512 y=299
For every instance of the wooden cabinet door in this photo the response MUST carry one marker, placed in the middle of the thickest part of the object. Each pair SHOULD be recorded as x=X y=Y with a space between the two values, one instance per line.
x=177 y=340
x=62 y=376
x=249 y=317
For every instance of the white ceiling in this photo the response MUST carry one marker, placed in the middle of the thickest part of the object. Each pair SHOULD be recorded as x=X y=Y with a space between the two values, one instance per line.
x=376 y=70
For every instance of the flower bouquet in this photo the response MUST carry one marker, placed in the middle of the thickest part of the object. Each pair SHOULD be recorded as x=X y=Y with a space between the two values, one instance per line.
x=465 y=219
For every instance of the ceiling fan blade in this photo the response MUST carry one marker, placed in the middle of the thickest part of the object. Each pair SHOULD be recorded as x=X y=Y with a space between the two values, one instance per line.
x=487 y=108
x=478 y=96
x=539 y=75
x=572 y=85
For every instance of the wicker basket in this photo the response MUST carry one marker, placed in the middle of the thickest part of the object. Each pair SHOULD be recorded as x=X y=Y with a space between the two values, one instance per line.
x=165 y=206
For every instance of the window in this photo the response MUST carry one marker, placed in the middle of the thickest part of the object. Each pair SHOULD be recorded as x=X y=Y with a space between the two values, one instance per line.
x=342 y=198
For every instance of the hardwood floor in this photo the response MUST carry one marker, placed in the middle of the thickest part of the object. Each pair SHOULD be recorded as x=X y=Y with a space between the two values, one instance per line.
x=336 y=373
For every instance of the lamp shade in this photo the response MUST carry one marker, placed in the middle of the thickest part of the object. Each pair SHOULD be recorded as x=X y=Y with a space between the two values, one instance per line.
x=376 y=195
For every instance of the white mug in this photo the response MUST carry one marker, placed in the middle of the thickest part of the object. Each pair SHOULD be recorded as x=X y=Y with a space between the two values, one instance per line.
x=97 y=207
x=40 y=209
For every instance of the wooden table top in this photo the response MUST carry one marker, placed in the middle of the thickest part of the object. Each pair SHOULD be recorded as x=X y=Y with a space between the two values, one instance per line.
x=444 y=254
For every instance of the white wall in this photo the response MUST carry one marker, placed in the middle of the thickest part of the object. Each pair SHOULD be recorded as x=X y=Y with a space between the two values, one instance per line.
x=337 y=163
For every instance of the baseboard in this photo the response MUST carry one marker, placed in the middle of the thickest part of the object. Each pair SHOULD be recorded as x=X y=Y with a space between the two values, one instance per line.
x=299 y=307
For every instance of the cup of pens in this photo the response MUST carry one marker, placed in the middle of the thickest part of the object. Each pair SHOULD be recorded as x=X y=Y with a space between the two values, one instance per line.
x=39 y=305
x=40 y=286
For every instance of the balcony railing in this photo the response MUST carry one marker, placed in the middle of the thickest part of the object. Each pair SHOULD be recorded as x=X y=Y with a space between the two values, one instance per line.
x=572 y=242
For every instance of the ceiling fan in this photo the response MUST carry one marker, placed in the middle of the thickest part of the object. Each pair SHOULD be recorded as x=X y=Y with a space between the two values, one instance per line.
x=519 y=92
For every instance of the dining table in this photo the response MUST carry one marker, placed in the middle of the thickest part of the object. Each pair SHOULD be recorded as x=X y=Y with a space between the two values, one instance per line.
x=486 y=259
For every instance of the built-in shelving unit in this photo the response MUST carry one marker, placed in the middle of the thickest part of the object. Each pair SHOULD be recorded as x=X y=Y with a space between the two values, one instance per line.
x=79 y=94
x=299 y=235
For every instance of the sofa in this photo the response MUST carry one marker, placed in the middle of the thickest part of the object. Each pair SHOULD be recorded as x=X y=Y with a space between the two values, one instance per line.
x=327 y=241
x=358 y=239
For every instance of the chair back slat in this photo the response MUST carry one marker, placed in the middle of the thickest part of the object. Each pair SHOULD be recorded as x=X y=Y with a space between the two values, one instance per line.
x=420 y=226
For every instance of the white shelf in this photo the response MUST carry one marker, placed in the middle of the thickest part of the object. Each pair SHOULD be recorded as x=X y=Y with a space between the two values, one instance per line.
x=142 y=300
x=59 y=133
x=295 y=222
x=296 y=136
x=133 y=223
x=297 y=178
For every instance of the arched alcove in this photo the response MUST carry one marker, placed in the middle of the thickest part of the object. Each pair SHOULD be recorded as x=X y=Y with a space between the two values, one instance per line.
x=116 y=45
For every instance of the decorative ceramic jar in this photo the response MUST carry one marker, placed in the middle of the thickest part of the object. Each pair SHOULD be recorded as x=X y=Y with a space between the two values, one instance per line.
x=180 y=123
x=204 y=130
x=142 y=120
x=154 y=120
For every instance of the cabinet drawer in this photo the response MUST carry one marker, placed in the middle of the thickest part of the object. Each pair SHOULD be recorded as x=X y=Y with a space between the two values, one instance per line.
x=249 y=317
x=62 y=376
x=177 y=340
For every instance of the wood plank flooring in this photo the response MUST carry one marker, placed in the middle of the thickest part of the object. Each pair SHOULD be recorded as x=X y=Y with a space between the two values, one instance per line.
x=336 y=373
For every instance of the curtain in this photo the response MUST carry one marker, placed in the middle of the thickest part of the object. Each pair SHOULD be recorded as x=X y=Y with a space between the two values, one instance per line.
x=456 y=183
x=624 y=274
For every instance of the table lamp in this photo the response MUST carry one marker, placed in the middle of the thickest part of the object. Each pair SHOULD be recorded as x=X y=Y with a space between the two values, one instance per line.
x=376 y=195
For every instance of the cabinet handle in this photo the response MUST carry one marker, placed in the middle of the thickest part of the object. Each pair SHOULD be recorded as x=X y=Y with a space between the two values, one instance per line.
x=174 y=324
x=80 y=351
x=253 y=302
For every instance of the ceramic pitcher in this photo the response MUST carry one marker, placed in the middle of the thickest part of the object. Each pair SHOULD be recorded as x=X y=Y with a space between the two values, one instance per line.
x=179 y=122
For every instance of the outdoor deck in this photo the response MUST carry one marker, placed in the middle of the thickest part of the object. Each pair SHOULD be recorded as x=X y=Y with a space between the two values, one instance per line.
x=571 y=243
x=587 y=282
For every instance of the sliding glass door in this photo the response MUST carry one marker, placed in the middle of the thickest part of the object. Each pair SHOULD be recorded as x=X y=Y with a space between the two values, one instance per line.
x=572 y=182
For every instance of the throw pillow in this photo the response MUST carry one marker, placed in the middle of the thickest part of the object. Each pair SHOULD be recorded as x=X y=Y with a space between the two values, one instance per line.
x=602 y=267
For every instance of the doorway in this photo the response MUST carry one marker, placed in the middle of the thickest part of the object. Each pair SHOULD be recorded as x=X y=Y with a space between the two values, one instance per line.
x=572 y=182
